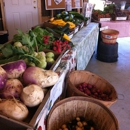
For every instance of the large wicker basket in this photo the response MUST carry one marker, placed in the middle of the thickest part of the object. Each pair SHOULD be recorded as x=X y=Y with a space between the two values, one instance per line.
x=79 y=76
x=110 y=34
x=67 y=109
x=109 y=41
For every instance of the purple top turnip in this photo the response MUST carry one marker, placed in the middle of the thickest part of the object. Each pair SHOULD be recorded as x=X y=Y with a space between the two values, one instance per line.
x=15 y=69
x=3 y=77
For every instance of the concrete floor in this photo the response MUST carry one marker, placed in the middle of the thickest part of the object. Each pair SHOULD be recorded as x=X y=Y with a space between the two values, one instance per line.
x=118 y=74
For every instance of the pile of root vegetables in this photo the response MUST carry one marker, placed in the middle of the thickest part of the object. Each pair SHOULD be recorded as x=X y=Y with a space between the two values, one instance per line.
x=79 y=123
x=93 y=91
x=23 y=87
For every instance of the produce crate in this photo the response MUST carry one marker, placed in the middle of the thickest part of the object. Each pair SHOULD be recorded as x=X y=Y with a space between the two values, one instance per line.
x=29 y=123
x=100 y=19
x=35 y=113
x=76 y=29
x=127 y=12
x=56 y=58
x=47 y=24
x=121 y=18
x=119 y=15
x=104 y=19
x=81 y=25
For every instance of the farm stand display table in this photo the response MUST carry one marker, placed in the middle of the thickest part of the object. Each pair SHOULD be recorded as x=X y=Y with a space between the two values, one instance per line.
x=85 y=42
x=122 y=26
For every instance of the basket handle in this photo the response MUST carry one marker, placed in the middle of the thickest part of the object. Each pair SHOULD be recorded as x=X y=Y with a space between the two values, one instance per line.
x=121 y=96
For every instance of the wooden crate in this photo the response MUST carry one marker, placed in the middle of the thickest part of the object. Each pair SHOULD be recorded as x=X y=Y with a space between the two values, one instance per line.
x=104 y=19
x=35 y=113
x=68 y=109
x=127 y=12
x=47 y=24
x=56 y=58
x=29 y=123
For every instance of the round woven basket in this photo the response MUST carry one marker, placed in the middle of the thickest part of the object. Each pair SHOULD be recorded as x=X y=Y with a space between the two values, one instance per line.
x=110 y=34
x=109 y=41
x=68 y=109
x=79 y=76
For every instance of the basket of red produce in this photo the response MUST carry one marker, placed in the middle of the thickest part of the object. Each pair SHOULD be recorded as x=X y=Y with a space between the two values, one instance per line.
x=85 y=83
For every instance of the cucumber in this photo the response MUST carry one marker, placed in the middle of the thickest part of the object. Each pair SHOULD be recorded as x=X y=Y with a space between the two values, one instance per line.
x=53 y=32
x=65 y=27
x=66 y=18
x=64 y=13
x=77 y=15
x=59 y=32
x=58 y=16
x=67 y=31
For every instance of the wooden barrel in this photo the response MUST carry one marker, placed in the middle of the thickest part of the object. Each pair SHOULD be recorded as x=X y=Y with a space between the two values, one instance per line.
x=79 y=76
x=68 y=109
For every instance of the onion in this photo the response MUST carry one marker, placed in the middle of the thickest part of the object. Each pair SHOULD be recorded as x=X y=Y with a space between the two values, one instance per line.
x=12 y=88
x=43 y=78
x=32 y=95
x=15 y=69
x=3 y=77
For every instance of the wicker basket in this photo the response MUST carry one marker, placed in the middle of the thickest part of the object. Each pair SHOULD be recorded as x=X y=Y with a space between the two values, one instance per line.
x=109 y=41
x=110 y=34
x=67 y=109
x=79 y=76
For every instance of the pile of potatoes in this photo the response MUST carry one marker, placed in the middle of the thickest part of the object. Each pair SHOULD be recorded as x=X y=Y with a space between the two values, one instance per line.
x=79 y=123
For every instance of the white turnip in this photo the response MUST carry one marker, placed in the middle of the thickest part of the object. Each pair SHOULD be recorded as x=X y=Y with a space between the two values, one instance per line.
x=12 y=88
x=43 y=78
x=15 y=69
x=14 y=109
x=3 y=77
x=32 y=95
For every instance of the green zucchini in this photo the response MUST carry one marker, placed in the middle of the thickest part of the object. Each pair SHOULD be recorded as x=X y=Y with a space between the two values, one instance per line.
x=77 y=15
x=59 y=32
x=65 y=27
x=67 y=31
x=53 y=32
x=64 y=13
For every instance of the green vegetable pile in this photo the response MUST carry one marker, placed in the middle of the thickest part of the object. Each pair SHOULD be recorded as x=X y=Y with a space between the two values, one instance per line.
x=72 y=16
x=30 y=46
x=27 y=46
x=109 y=8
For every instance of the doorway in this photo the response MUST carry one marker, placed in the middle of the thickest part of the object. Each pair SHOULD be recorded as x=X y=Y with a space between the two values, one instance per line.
x=20 y=14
